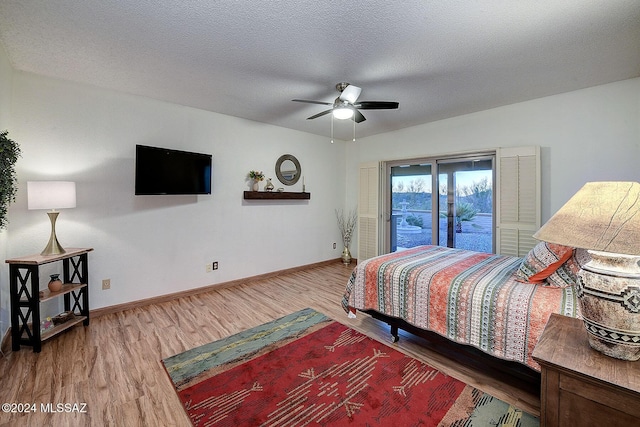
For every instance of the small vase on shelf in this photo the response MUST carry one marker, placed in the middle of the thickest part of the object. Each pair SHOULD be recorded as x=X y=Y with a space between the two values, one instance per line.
x=55 y=284
x=256 y=185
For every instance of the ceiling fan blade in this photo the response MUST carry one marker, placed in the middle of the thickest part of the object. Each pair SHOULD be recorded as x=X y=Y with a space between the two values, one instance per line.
x=312 y=102
x=377 y=105
x=357 y=116
x=350 y=94
x=315 y=116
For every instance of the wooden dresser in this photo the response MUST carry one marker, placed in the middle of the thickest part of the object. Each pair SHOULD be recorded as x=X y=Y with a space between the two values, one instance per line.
x=581 y=386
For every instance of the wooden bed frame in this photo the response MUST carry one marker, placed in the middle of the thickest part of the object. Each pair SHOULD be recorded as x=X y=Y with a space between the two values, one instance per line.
x=513 y=373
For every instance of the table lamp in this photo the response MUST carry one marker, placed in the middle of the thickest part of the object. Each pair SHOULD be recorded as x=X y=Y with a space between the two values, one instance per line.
x=604 y=218
x=51 y=195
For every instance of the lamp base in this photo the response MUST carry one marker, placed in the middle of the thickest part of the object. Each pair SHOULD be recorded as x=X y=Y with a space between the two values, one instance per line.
x=609 y=296
x=53 y=247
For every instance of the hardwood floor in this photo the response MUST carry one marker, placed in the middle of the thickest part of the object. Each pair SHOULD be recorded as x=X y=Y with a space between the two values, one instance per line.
x=113 y=365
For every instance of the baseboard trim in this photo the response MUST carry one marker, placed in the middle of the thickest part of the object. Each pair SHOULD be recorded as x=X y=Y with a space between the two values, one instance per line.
x=169 y=297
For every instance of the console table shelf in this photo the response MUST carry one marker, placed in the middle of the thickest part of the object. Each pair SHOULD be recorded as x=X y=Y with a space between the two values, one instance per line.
x=63 y=327
x=26 y=296
x=276 y=195
x=46 y=294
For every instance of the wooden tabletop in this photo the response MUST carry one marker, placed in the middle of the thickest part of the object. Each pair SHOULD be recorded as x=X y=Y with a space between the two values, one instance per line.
x=37 y=259
x=565 y=345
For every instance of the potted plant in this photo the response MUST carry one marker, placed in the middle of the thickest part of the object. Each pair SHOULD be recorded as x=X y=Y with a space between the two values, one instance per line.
x=256 y=176
x=9 y=153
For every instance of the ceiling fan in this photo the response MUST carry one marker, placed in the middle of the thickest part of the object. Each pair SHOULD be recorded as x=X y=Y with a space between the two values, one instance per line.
x=345 y=105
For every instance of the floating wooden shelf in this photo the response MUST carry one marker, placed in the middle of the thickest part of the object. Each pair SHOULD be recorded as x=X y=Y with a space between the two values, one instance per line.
x=275 y=195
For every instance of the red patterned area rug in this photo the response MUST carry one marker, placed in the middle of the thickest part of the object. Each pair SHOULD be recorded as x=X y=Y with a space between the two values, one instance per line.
x=306 y=369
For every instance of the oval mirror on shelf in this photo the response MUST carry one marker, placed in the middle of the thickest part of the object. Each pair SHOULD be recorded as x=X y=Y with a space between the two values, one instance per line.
x=288 y=169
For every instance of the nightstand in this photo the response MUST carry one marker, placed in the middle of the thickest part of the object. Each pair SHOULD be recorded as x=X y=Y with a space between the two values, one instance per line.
x=581 y=386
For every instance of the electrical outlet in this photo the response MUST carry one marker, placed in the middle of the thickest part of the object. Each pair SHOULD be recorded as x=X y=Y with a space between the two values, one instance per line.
x=215 y=265
x=334 y=245
x=106 y=284
x=207 y=267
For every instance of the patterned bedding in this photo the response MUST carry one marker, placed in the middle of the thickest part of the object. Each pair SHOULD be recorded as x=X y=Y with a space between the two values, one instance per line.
x=469 y=297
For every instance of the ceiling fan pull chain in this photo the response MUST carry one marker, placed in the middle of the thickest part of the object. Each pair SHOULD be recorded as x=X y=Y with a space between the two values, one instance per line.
x=332 y=128
x=354 y=131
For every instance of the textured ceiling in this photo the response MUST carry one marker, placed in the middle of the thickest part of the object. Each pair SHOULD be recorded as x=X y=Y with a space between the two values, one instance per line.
x=248 y=59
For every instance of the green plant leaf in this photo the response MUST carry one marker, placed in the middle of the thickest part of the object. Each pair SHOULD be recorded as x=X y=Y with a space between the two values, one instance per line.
x=9 y=153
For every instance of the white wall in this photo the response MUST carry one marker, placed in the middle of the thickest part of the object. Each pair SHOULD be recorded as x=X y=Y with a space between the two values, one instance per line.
x=5 y=105
x=587 y=135
x=156 y=245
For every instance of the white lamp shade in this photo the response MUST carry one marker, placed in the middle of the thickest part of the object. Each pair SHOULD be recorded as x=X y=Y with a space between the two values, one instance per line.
x=602 y=216
x=51 y=194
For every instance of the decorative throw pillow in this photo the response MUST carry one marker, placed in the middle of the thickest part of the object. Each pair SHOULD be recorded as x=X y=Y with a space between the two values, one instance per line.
x=567 y=273
x=542 y=261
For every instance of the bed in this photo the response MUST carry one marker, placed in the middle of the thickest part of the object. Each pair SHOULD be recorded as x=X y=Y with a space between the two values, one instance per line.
x=494 y=303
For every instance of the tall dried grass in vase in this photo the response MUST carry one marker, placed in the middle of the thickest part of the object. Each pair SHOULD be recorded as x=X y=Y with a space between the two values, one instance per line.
x=346 y=224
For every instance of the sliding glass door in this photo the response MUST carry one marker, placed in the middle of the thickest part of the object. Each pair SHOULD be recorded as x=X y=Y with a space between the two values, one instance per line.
x=411 y=206
x=466 y=204
x=440 y=201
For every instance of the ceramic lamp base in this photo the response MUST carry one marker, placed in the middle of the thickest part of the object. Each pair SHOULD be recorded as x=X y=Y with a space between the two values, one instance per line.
x=609 y=296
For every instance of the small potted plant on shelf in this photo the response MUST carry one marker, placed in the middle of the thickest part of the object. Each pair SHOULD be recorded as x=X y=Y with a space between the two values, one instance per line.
x=9 y=153
x=256 y=177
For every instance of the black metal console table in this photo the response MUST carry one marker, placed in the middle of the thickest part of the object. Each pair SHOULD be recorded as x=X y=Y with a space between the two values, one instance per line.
x=24 y=285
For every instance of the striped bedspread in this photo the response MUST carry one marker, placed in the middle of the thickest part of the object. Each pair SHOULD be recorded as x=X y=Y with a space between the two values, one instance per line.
x=469 y=297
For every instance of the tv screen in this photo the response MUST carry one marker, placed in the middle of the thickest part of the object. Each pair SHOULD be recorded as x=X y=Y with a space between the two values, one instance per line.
x=165 y=171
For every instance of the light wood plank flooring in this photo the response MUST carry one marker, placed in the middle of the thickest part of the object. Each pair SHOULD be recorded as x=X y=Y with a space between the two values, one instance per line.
x=113 y=365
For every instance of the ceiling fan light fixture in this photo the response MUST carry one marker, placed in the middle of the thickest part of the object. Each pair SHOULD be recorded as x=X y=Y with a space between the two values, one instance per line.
x=346 y=106
x=342 y=113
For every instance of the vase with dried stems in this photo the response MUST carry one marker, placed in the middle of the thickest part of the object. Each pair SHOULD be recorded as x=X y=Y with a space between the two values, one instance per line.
x=346 y=224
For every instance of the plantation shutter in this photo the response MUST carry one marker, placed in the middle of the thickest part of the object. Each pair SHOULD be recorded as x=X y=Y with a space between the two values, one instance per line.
x=368 y=215
x=518 y=201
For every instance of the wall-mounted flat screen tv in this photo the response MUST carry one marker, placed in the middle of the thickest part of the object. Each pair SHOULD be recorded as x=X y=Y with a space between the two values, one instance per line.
x=165 y=171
